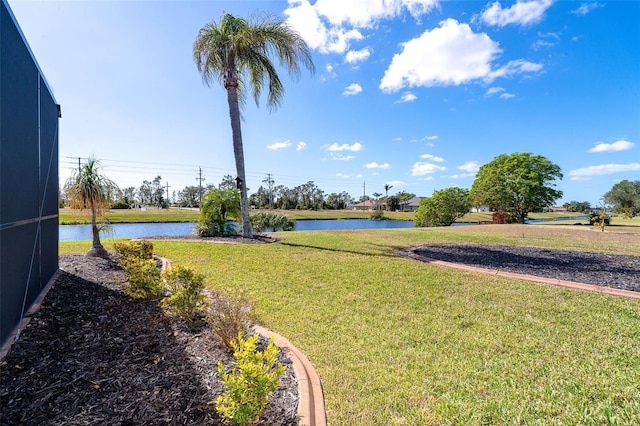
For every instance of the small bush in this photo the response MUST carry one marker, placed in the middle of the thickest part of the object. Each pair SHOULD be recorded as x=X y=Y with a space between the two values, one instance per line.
x=378 y=215
x=255 y=377
x=499 y=217
x=120 y=205
x=185 y=291
x=144 y=278
x=229 y=317
x=216 y=229
x=135 y=249
x=262 y=221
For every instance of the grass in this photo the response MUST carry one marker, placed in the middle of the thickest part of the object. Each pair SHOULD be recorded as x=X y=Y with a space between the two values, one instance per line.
x=79 y=217
x=83 y=217
x=398 y=342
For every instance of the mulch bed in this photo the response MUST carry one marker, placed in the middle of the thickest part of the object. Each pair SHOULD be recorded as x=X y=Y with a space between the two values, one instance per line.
x=93 y=356
x=615 y=271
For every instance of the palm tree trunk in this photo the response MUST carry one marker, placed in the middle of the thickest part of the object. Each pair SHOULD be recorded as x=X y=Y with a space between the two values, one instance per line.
x=238 y=152
x=96 y=250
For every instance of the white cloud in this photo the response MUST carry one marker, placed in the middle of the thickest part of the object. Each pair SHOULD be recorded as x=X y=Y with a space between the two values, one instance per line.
x=603 y=169
x=279 y=145
x=503 y=94
x=421 y=168
x=430 y=138
x=397 y=139
x=354 y=56
x=539 y=44
x=301 y=146
x=407 y=97
x=587 y=7
x=397 y=183
x=355 y=147
x=341 y=157
x=494 y=91
x=461 y=175
x=519 y=66
x=432 y=158
x=352 y=89
x=330 y=71
x=346 y=175
x=331 y=26
x=470 y=167
x=620 y=145
x=374 y=165
x=305 y=19
x=451 y=54
x=364 y=13
x=521 y=13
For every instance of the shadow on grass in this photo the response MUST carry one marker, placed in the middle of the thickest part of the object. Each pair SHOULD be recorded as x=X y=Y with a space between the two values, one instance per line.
x=391 y=249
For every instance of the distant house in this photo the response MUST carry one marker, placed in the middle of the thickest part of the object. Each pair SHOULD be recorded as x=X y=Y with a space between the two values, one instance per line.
x=557 y=209
x=366 y=205
x=413 y=204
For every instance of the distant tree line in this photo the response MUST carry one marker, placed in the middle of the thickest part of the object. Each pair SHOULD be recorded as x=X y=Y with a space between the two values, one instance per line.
x=515 y=185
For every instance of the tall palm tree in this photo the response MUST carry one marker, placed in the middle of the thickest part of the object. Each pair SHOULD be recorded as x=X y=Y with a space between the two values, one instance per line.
x=88 y=188
x=235 y=52
x=387 y=187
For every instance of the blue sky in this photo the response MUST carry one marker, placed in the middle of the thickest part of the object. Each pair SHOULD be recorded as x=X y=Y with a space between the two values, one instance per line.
x=414 y=93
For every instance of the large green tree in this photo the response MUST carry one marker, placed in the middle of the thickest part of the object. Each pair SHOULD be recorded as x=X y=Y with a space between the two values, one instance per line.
x=625 y=197
x=236 y=53
x=443 y=207
x=88 y=188
x=517 y=184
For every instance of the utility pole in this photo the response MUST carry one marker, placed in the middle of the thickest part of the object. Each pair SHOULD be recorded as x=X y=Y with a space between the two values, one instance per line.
x=168 y=202
x=269 y=183
x=200 y=179
x=79 y=168
x=364 y=190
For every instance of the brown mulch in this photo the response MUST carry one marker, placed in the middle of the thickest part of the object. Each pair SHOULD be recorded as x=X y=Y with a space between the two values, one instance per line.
x=608 y=270
x=93 y=356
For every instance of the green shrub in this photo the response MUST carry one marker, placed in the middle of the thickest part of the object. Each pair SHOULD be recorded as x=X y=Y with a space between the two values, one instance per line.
x=185 y=291
x=120 y=205
x=378 y=215
x=263 y=221
x=135 y=249
x=216 y=229
x=255 y=376
x=228 y=318
x=144 y=278
x=219 y=208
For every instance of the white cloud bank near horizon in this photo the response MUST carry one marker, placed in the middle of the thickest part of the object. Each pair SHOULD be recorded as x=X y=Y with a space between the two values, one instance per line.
x=586 y=173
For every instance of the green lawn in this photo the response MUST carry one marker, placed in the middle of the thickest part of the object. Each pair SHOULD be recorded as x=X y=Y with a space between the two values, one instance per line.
x=73 y=217
x=399 y=342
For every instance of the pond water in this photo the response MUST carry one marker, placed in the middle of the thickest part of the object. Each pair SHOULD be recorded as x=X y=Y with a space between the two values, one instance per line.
x=144 y=230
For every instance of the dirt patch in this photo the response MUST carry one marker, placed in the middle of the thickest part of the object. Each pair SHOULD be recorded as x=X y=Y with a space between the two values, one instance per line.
x=92 y=355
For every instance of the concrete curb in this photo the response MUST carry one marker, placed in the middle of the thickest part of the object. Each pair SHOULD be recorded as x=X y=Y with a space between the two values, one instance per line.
x=311 y=410
x=541 y=280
